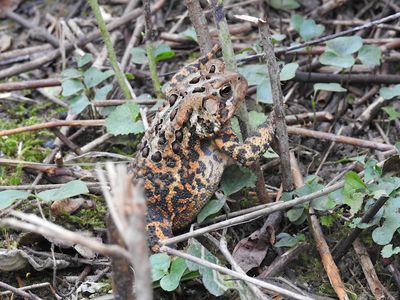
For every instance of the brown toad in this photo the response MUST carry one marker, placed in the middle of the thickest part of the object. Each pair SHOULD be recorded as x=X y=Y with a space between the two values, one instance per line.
x=184 y=152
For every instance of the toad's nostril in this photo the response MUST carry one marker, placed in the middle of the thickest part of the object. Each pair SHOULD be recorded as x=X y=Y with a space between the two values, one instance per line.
x=239 y=78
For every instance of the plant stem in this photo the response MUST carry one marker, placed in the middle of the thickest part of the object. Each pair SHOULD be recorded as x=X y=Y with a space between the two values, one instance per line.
x=153 y=69
x=110 y=49
x=149 y=38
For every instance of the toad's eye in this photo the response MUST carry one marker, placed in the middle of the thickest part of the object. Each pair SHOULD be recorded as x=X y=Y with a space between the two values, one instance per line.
x=225 y=91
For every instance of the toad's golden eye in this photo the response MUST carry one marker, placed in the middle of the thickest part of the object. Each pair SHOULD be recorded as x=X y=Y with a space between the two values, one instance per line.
x=225 y=91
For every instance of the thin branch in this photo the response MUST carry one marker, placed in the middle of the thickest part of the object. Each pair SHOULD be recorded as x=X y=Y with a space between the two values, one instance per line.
x=238 y=275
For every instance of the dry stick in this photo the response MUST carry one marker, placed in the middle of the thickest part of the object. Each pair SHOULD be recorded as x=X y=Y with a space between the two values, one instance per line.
x=367 y=266
x=329 y=37
x=344 y=245
x=22 y=54
x=200 y=25
x=29 y=287
x=281 y=262
x=29 y=25
x=127 y=208
x=19 y=291
x=346 y=78
x=329 y=265
x=222 y=245
x=35 y=224
x=53 y=124
x=40 y=187
x=331 y=269
x=252 y=215
x=241 y=112
x=29 y=84
x=277 y=96
x=15 y=70
x=238 y=275
x=337 y=138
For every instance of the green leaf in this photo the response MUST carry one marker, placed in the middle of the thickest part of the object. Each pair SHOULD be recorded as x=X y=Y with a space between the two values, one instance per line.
x=390 y=92
x=309 y=29
x=211 y=208
x=370 y=55
x=264 y=92
x=332 y=87
x=213 y=281
x=190 y=33
x=163 y=52
x=123 y=120
x=93 y=76
x=235 y=178
x=256 y=119
x=332 y=59
x=345 y=45
x=393 y=114
x=283 y=4
x=384 y=234
x=8 y=197
x=389 y=251
x=287 y=240
x=254 y=74
x=78 y=103
x=295 y=214
x=353 y=182
x=71 y=87
x=296 y=21
x=101 y=93
x=159 y=264
x=70 y=189
x=288 y=71
x=397 y=145
x=276 y=38
x=353 y=191
x=384 y=186
x=85 y=59
x=171 y=281
x=71 y=74
x=138 y=56
x=372 y=171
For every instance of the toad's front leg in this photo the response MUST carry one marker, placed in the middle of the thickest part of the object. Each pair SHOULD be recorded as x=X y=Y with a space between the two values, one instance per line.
x=159 y=228
x=253 y=147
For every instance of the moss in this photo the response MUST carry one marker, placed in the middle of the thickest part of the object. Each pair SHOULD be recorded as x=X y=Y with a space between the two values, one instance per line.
x=86 y=218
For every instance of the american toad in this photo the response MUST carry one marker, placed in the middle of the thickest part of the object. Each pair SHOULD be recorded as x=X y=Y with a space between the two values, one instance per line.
x=190 y=142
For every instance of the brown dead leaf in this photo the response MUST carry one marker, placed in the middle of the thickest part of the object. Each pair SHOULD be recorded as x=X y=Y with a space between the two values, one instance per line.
x=251 y=251
x=5 y=42
x=69 y=206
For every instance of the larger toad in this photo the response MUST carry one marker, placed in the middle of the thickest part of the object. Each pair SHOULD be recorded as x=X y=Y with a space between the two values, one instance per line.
x=184 y=152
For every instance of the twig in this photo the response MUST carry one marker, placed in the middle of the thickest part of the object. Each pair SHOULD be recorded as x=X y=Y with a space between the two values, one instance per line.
x=346 y=78
x=277 y=96
x=40 y=187
x=252 y=215
x=29 y=84
x=328 y=37
x=375 y=285
x=339 y=138
x=19 y=291
x=53 y=124
x=127 y=208
x=243 y=277
x=344 y=245
x=33 y=223
x=200 y=25
x=223 y=247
